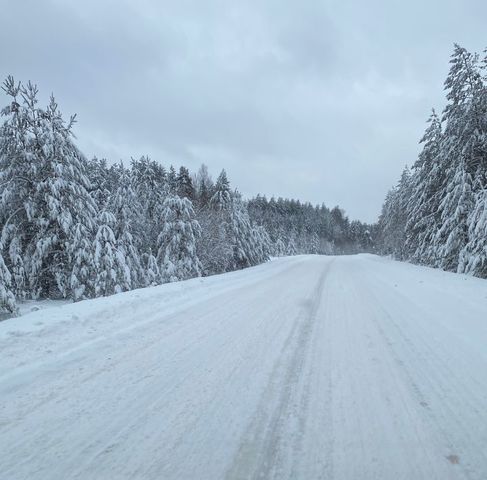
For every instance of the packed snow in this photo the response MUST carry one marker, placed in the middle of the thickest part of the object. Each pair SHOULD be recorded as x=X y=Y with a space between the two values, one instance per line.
x=306 y=367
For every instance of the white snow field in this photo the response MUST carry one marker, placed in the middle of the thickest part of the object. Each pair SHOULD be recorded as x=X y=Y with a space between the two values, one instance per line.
x=303 y=368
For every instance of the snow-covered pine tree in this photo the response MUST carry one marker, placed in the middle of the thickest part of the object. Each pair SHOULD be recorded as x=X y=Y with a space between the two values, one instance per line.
x=222 y=196
x=176 y=254
x=428 y=176
x=83 y=273
x=263 y=242
x=7 y=298
x=473 y=257
x=245 y=248
x=215 y=245
x=16 y=262
x=152 y=271
x=149 y=181
x=112 y=274
x=461 y=152
x=46 y=191
x=185 y=188
x=17 y=171
x=393 y=218
x=279 y=248
x=455 y=208
x=128 y=222
x=98 y=176
x=172 y=180
x=127 y=249
x=291 y=245
x=203 y=185
x=61 y=200
x=315 y=243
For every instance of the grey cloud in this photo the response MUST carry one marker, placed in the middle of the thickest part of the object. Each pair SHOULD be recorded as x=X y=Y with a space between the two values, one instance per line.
x=317 y=100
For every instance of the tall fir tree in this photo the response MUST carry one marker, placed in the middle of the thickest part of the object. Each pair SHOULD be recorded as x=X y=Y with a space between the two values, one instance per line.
x=17 y=181
x=423 y=205
x=203 y=184
x=47 y=188
x=185 y=188
x=222 y=196
x=126 y=209
x=82 y=279
x=460 y=152
x=177 y=254
x=152 y=271
x=112 y=275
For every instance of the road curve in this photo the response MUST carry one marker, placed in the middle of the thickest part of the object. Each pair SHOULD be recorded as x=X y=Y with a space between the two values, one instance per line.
x=304 y=368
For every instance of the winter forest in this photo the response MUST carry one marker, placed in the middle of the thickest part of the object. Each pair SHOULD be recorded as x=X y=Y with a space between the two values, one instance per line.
x=437 y=213
x=77 y=228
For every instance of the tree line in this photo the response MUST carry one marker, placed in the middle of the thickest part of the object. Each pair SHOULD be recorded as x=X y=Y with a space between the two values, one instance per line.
x=437 y=213
x=77 y=228
x=301 y=228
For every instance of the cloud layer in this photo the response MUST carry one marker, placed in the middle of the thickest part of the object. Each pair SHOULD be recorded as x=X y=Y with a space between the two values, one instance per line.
x=319 y=100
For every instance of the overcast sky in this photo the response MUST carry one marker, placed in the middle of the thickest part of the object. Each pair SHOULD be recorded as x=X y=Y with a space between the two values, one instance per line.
x=324 y=101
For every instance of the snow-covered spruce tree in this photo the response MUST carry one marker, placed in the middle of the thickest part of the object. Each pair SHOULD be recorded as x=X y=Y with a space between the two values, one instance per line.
x=128 y=223
x=360 y=236
x=386 y=224
x=393 y=218
x=462 y=152
x=455 y=208
x=149 y=182
x=279 y=248
x=315 y=243
x=46 y=191
x=473 y=258
x=16 y=263
x=215 y=245
x=222 y=196
x=83 y=274
x=246 y=250
x=263 y=242
x=185 y=188
x=172 y=180
x=291 y=245
x=61 y=200
x=17 y=171
x=176 y=254
x=426 y=181
x=98 y=176
x=152 y=271
x=112 y=274
x=127 y=249
x=7 y=298
x=229 y=241
x=203 y=185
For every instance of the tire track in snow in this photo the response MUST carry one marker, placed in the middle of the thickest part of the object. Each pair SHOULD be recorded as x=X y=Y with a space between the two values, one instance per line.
x=294 y=371
x=271 y=446
x=174 y=352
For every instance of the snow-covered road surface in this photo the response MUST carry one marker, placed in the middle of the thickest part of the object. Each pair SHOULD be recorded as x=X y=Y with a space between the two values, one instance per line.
x=303 y=368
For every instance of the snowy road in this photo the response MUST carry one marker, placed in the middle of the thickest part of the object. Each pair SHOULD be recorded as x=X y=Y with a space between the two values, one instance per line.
x=303 y=368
